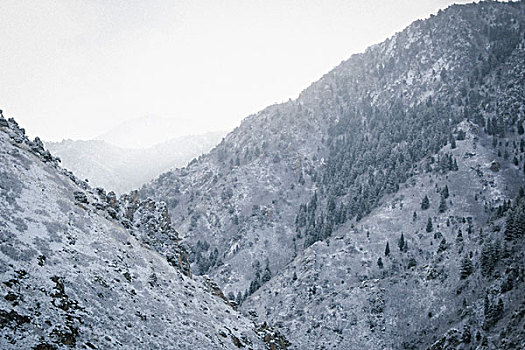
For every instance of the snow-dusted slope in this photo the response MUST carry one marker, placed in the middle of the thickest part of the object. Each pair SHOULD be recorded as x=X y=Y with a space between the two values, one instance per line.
x=336 y=293
x=72 y=276
x=124 y=169
x=340 y=172
x=352 y=137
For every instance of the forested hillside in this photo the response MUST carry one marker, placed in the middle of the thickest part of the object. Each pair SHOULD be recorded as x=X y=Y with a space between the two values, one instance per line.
x=438 y=264
x=296 y=172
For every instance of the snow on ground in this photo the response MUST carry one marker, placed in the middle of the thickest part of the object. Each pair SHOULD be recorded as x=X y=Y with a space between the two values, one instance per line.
x=71 y=276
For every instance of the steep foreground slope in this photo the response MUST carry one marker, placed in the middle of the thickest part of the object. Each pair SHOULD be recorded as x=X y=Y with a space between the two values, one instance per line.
x=125 y=169
x=295 y=173
x=81 y=269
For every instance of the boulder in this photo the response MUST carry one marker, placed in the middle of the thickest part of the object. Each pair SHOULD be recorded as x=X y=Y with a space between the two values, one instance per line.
x=495 y=166
x=37 y=146
x=214 y=288
x=47 y=157
x=80 y=197
x=17 y=138
x=100 y=206
x=112 y=199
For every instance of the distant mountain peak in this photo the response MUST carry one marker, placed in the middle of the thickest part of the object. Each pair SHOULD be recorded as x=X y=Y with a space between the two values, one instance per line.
x=150 y=130
x=124 y=169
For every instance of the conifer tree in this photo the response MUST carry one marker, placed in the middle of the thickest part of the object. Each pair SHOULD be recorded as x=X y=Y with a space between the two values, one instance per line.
x=442 y=246
x=429 y=227
x=442 y=204
x=267 y=274
x=387 y=249
x=489 y=257
x=459 y=237
x=445 y=192
x=401 y=242
x=466 y=267
x=425 y=203
x=466 y=337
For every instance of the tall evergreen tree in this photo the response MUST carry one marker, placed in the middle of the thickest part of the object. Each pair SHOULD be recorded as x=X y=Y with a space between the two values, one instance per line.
x=429 y=227
x=466 y=267
x=425 y=203
x=488 y=258
x=442 y=204
x=459 y=237
x=442 y=246
x=401 y=242
x=380 y=262
x=267 y=274
x=444 y=192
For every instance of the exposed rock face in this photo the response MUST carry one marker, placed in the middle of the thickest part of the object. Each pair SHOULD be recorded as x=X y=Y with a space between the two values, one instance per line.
x=80 y=197
x=3 y=122
x=150 y=222
x=81 y=269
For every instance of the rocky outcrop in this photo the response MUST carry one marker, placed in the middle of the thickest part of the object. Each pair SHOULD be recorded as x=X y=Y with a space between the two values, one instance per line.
x=150 y=222
x=272 y=337
x=147 y=220
x=3 y=122
x=18 y=135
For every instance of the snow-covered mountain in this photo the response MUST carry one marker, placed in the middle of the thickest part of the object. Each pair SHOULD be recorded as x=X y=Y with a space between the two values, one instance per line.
x=150 y=130
x=291 y=212
x=125 y=169
x=382 y=209
x=82 y=269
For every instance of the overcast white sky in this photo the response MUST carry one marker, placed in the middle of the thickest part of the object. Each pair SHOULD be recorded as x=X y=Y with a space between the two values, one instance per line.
x=76 y=68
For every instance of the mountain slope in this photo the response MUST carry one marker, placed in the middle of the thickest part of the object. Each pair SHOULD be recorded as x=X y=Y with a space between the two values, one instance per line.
x=81 y=269
x=124 y=169
x=295 y=172
x=406 y=275
x=430 y=289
